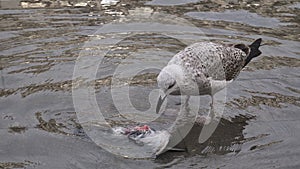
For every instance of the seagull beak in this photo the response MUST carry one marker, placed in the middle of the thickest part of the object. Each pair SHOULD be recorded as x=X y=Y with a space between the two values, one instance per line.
x=160 y=102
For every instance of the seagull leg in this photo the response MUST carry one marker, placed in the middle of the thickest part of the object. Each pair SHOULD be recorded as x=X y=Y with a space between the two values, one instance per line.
x=184 y=108
x=186 y=102
x=212 y=106
x=212 y=114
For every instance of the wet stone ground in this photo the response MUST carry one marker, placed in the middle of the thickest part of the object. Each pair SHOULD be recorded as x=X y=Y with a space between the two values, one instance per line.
x=41 y=41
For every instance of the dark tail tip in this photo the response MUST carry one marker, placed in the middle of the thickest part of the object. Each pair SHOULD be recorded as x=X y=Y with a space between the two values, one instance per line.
x=256 y=43
x=254 y=50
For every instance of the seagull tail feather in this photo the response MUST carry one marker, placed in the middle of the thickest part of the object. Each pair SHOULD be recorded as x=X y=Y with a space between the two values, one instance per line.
x=254 y=51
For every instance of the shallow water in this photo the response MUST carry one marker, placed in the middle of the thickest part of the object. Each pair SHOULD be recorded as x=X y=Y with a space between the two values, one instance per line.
x=41 y=43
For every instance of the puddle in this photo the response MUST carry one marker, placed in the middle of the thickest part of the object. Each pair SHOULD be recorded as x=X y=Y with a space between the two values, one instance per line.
x=40 y=45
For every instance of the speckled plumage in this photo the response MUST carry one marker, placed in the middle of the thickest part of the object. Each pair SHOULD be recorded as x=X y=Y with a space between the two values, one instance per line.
x=204 y=68
x=210 y=59
x=208 y=62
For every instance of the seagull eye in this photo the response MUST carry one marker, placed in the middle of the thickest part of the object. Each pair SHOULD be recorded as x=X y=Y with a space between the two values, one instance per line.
x=171 y=86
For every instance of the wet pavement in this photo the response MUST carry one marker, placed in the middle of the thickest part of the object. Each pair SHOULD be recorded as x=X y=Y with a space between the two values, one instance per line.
x=42 y=40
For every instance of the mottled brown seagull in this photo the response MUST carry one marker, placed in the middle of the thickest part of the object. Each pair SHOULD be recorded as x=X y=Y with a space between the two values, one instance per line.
x=205 y=68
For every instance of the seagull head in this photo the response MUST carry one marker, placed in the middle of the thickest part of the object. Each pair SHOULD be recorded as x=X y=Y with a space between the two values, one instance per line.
x=169 y=80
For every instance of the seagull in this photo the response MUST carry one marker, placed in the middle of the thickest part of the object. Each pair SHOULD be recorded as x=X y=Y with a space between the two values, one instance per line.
x=204 y=68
